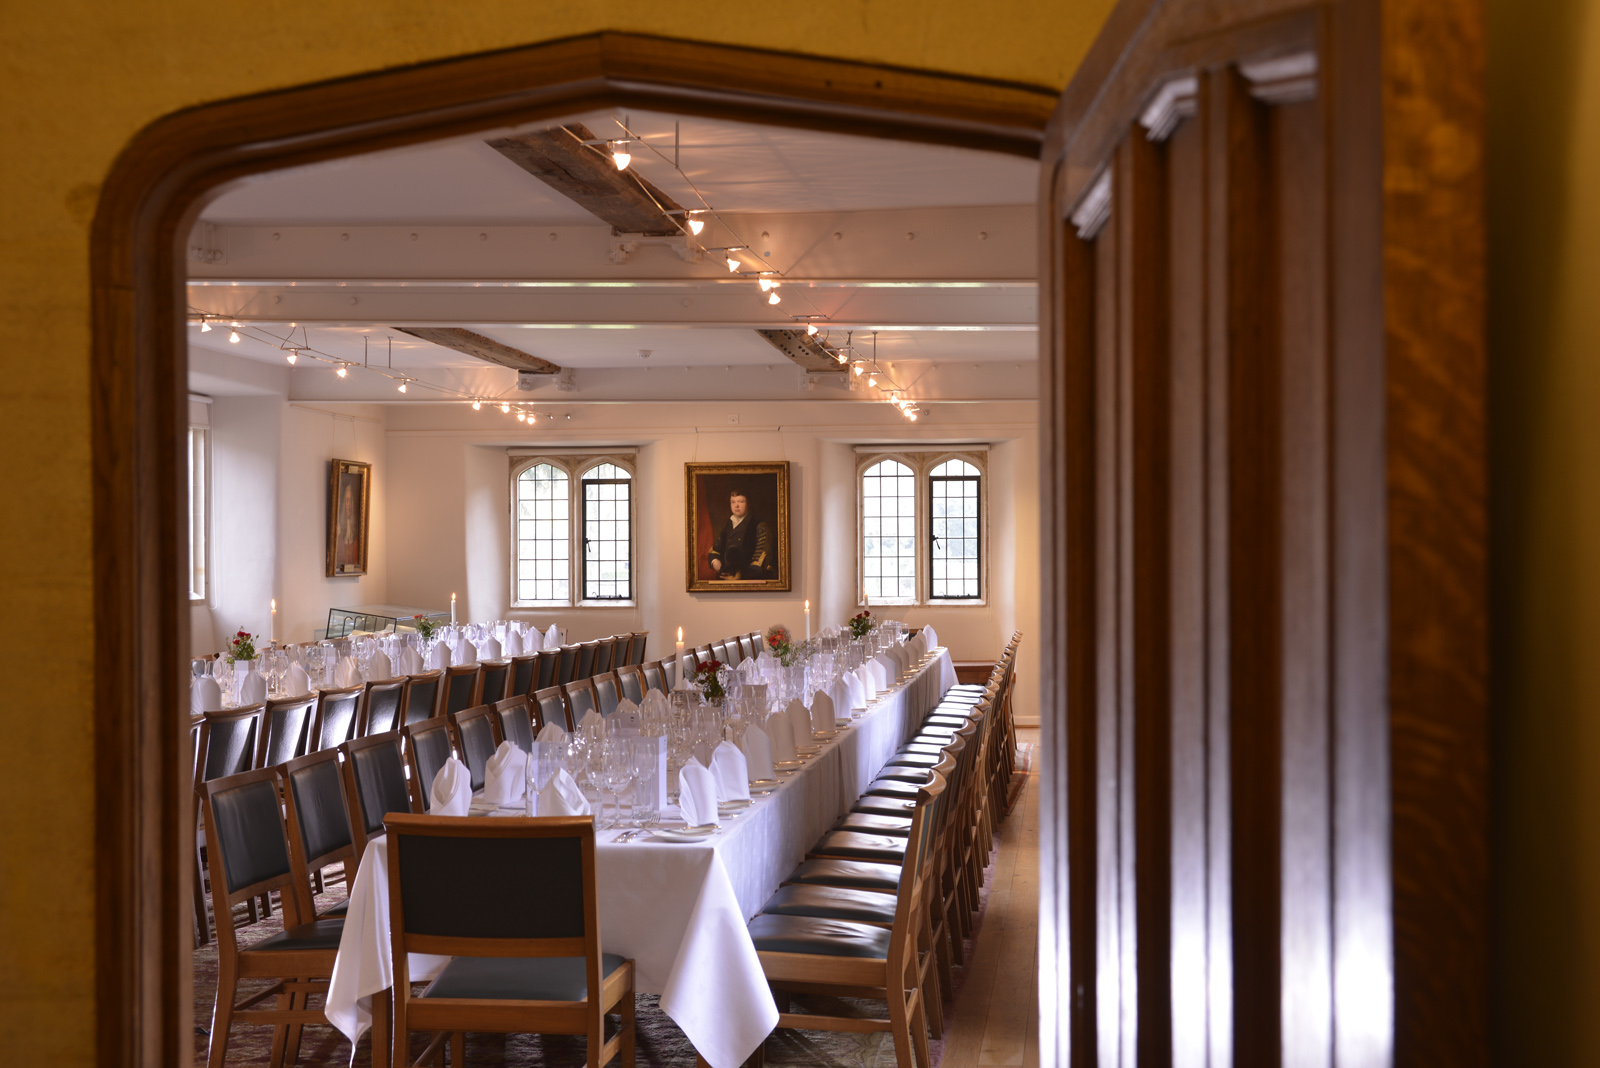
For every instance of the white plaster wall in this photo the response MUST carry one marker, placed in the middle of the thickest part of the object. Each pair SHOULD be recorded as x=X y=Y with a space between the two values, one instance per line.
x=245 y=438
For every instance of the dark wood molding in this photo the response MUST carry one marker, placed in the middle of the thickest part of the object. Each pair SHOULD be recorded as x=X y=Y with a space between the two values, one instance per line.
x=486 y=349
x=566 y=159
x=149 y=200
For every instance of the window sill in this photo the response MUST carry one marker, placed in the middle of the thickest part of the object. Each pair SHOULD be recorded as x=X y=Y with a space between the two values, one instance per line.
x=562 y=606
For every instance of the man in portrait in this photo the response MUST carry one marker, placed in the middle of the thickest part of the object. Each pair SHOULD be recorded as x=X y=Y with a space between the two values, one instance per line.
x=743 y=547
x=349 y=523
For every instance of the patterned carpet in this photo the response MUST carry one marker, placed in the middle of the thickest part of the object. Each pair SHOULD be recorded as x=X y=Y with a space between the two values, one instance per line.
x=660 y=1043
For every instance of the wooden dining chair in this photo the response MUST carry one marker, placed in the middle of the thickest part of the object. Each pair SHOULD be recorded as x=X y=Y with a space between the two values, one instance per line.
x=285 y=722
x=630 y=680
x=517 y=724
x=553 y=708
x=249 y=847
x=581 y=699
x=319 y=827
x=494 y=683
x=604 y=651
x=373 y=776
x=549 y=662
x=528 y=962
x=567 y=668
x=421 y=699
x=225 y=745
x=334 y=721
x=733 y=652
x=607 y=692
x=428 y=746
x=703 y=653
x=461 y=685
x=636 y=653
x=524 y=675
x=811 y=954
x=477 y=734
x=587 y=652
x=381 y=702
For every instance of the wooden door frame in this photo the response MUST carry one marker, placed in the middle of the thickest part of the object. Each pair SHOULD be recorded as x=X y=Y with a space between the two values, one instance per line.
x=151 y=198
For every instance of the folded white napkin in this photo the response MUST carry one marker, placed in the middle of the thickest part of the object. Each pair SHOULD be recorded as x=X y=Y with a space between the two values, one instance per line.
x=451 y=793
x=856 y=688
x=880 y=674
x=251 y=690
x=438 y=658
x=840 y=695
x=732 y=772
x=462 y=652
x=799 y=722
x=890 y=669
x=869 y=687
x=505 y=777
x=758 y=754
x=625 y=717
x=821 y=713
x=512 y=646
x=697 y=795
x=379 y=667
x=930 y=638
x=552 y=637
x=347 y=672
x=593 y=718
x=781 y=731
x=749 y=671
x=917 y=647
x=488 y=649
x=410 y=662
x=561 y=797
x=298 y=682
x=655 y=703
x=206 y=696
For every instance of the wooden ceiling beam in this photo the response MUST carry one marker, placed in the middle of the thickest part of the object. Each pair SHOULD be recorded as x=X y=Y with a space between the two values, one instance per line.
x=585 y=175
x=484 y=348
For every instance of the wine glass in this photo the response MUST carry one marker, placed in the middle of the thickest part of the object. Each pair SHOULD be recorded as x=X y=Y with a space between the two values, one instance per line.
x=616 y=772
x=647 y=779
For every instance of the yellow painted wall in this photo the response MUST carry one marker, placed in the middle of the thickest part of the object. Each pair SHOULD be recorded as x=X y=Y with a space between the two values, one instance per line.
x=1544 y=186
x=79 y=79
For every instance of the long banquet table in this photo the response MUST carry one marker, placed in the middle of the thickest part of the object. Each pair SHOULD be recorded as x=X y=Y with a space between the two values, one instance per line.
x=679 y=910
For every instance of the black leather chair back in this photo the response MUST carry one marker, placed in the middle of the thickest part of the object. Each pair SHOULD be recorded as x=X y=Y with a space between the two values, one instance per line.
x=719 y=652
x=580 y=699
x=460 y=694
x=567 y=669
x=636 y=647
x=319 y=806
x=604 y=651
x=430 y=748
x=249 y=833
x=524 y=673
x=335 y=722
x=495 y=677
x=230 y=743
x=516 y=726
x=477 y=746
x=383 y=707
x=587 y=652
x=287 y=720
x=553 y=708
x=631 y=684
x=653 y=679
x=421 y=696
x=380 y=776
x=733 y=652
x=442 y=881
x=607 y=693
x=549 y=661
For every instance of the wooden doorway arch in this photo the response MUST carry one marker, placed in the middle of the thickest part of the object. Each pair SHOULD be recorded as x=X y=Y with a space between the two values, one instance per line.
x=151 y=198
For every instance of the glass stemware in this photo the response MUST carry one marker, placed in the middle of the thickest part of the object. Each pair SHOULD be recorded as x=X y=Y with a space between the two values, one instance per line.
x=616 y=773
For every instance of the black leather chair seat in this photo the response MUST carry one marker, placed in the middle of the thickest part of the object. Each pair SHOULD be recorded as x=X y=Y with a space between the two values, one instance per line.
x=336 y=912
x=856 y=874
x=913 y=760
x=922 y=747
x=895 y=773
x=967 y=687
x=885 y=806
x=853 y=845
x=944 y=721
x=872 y=823
x=518 y=978
x=320 y=934
x=831 y=903
x=931 y=731
x=954 y=708
x=896 y=788
x=819 y=937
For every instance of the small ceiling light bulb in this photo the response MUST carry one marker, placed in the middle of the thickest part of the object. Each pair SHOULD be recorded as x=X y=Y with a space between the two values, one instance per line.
x=858 y=370
x=343 y=371
x=811 y=330
x=477 y=405
x=773 y=298
x=872 y=380
x=205 y=327
x=841 y=357
x=402 y=387
x=505 y=409
x=733 y=265
x=233 y=336
x=766 y=284
x=293 y=356
x=913 y=416
x=620 y=156
x=696 y=225
x=522 y=417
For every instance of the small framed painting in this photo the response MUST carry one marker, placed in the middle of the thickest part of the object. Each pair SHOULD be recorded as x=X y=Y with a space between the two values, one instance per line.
x=349 y=495
x=738 y=527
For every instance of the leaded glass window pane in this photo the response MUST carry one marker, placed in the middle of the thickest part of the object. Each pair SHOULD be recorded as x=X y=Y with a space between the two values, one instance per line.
x=607 y=534
x=889 y=533
x=953 y=490
x=544 y=540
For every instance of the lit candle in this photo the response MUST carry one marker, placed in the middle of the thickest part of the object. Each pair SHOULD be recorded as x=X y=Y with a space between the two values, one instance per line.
x=452 y=609
x=808 y=619
x=274 y=621
x=680 y=643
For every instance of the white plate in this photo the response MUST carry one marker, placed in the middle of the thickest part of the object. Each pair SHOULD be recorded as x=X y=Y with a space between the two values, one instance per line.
x=732 y=806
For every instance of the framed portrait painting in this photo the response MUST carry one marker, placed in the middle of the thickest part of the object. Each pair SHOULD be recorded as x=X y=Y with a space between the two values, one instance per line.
x=738 y=527
x=349 y=496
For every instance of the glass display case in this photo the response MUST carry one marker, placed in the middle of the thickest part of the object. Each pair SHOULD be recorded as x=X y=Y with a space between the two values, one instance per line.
x=378 y=619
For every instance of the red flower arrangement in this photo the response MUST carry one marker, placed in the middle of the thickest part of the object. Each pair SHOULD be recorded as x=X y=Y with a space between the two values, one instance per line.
x=708 y=677
x=243 y=647
x=861 y=624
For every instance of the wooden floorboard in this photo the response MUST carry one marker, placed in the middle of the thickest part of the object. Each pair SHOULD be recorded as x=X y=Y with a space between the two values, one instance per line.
x=996 y=1019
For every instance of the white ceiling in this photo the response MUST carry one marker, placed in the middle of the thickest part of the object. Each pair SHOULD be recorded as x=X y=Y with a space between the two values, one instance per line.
x=738 y=168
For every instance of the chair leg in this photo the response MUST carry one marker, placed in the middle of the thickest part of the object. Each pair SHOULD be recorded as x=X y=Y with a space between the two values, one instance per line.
x=298 y=999
x=899 y=1025
x=382 y=1052
x=280 y=1032
x=458 y=1049
x=222 y=1013
x=629 y=1034
x=919 y=1031
x=202 y=925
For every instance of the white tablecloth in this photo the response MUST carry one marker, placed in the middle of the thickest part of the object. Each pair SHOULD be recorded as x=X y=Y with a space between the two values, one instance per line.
x=679 y=911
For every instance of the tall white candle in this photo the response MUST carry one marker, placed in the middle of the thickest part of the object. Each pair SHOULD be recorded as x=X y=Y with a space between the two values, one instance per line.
x=808 y=619
x=274 y=621
x=452 y=609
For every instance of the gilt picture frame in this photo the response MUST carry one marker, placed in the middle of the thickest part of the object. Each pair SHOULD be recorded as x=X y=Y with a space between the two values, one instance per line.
x=737 y=527
x=349 y=506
